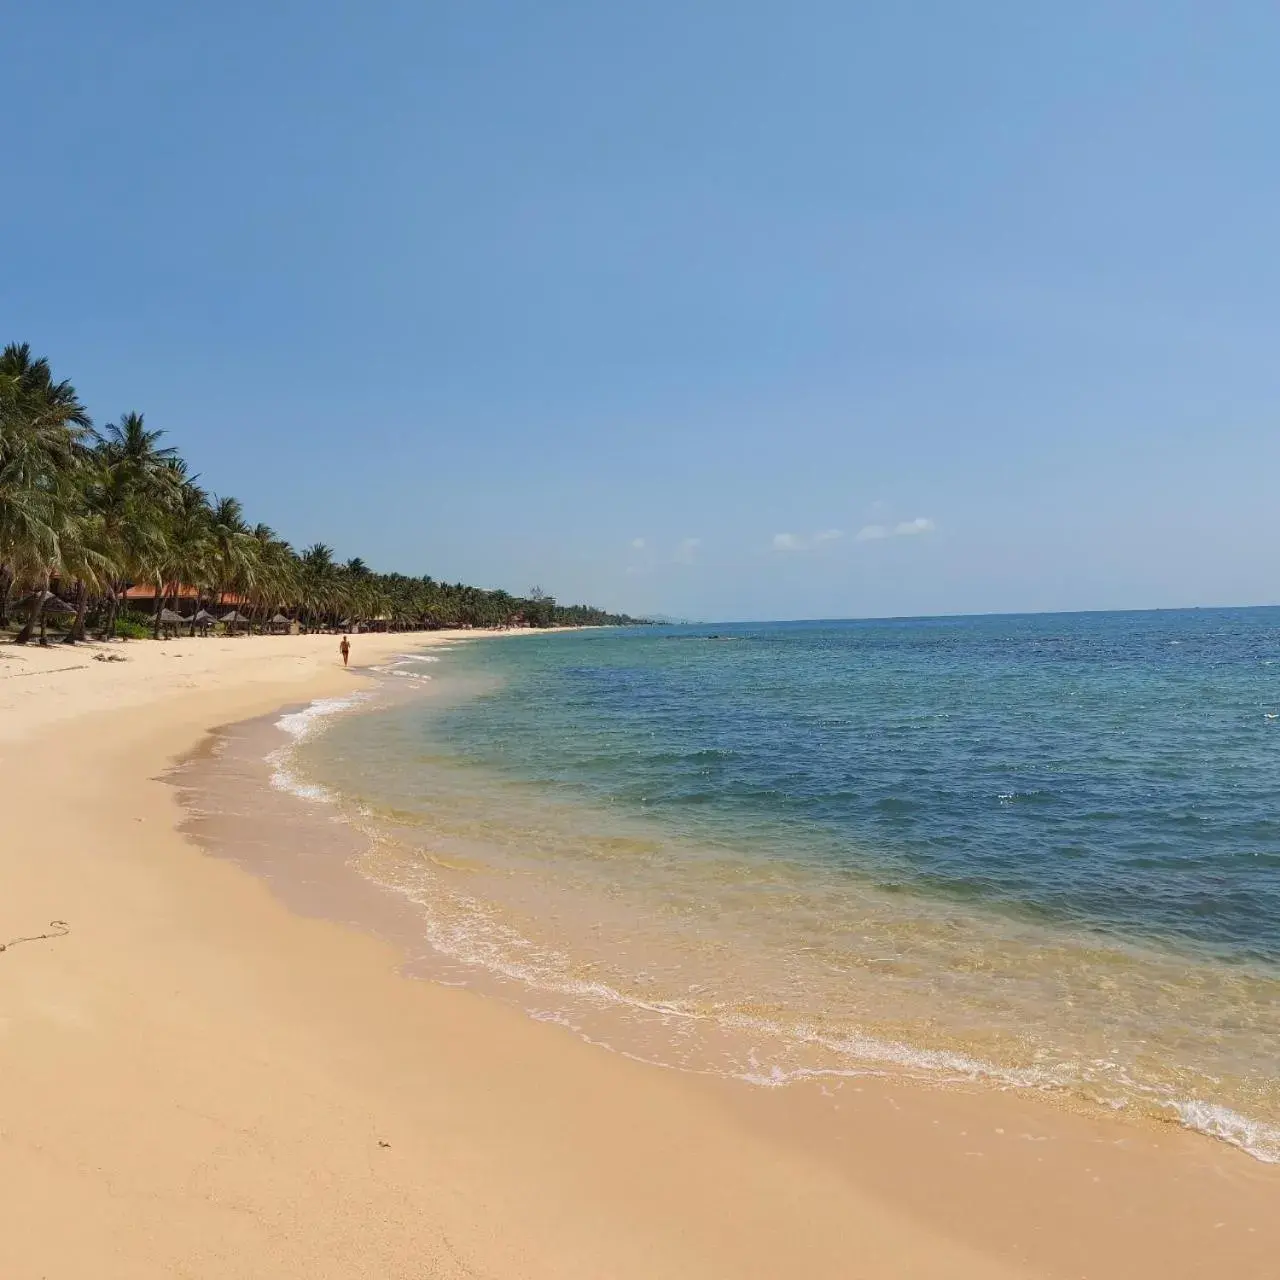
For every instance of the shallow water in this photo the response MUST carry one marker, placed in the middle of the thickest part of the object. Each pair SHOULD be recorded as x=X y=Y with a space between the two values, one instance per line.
x=1042 y=851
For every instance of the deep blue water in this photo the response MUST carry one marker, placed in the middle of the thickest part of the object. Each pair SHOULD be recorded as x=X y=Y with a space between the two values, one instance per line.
x=1114 y=771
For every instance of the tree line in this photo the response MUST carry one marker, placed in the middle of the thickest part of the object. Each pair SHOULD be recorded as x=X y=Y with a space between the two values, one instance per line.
x=92 y=512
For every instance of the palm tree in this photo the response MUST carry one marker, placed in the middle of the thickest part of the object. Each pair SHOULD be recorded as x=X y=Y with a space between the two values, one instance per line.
x=137 y=487
x=275 y=583
x=86 y=558
x=187 y=558
x=42 y=429
x=235 y=550
x=318 y=580
x=130 y=446
x=102 y=509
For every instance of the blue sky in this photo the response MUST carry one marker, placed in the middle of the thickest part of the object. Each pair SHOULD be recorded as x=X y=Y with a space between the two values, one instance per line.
x=714 y=309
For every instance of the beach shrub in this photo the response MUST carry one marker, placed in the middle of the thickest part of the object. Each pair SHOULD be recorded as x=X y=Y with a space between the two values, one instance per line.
x=134 y=626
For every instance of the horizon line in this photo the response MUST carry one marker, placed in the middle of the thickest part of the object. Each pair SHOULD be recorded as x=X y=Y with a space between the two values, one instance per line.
x=667 y=620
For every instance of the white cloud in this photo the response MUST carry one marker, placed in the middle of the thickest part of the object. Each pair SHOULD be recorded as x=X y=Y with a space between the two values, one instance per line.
x=904 y=529
x=921 y=524
x=798 y=542
x=638 y=544
x=686 y=550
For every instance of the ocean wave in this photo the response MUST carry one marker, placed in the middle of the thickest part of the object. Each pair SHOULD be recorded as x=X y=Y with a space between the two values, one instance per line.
x=396 y=666
x=1262 y=1141
x=301 y=725
x=393 y=670
x=477 y=938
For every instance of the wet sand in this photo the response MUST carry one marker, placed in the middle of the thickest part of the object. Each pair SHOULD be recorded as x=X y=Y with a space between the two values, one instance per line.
x=227 y=1074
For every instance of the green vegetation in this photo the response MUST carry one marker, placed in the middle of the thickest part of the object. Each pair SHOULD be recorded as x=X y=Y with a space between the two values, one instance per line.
x=85 y=514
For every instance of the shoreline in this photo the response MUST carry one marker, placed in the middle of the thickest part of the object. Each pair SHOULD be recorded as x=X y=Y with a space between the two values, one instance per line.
x=475 y=916
x=202 y=1079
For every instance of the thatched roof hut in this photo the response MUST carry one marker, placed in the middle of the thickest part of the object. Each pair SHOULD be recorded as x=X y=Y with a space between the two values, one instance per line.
x=204 y=618
x=171 y=616
x=52 y=603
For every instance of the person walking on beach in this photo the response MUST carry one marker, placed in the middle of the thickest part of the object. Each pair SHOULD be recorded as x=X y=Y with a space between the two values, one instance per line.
x=345 y=649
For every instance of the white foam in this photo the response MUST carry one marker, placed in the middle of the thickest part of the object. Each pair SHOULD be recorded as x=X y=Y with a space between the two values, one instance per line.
x=285 y=780
x=301 y=725
x=480 y=939
x=1262 y=1141
x=400 y=661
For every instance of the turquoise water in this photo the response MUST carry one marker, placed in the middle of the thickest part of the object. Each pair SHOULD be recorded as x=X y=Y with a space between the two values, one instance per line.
x=1119 y=771
x=1043 y=849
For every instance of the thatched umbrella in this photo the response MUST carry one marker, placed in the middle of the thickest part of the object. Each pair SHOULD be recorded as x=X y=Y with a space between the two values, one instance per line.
x=169 y=620
x=46 y=604
x=204 y=618
x=52 y=603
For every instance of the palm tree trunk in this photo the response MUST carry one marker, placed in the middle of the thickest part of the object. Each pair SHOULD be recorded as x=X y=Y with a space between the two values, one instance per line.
x=82 y=607
x=37 y=609
x=6 y=590
x=155 y=629
x=109 y=626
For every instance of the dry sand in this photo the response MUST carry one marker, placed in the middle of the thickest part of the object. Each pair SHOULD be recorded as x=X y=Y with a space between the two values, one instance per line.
x=195 y=1082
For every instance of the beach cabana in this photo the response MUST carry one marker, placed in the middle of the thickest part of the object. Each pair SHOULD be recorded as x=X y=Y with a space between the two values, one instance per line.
x=171 y=619
x=280 y=625
x=234 y=618
x=204 y=619
x=52 y=603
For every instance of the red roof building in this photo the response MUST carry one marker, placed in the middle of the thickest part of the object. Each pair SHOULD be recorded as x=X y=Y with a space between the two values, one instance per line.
x=146 y=591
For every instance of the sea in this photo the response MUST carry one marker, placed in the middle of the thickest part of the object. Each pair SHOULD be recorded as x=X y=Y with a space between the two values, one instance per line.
x=1027 y=852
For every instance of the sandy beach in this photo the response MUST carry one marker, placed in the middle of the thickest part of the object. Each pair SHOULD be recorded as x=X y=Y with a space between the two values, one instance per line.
x=199 y=1082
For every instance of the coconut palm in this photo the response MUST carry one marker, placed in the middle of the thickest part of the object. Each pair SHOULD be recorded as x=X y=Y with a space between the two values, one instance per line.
x=318 y=581
x=275 y=582
x=136 y=450
x=43 y=427
x=136 y=487
x=95 y=511
x=235 y=550
x=187 y=552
